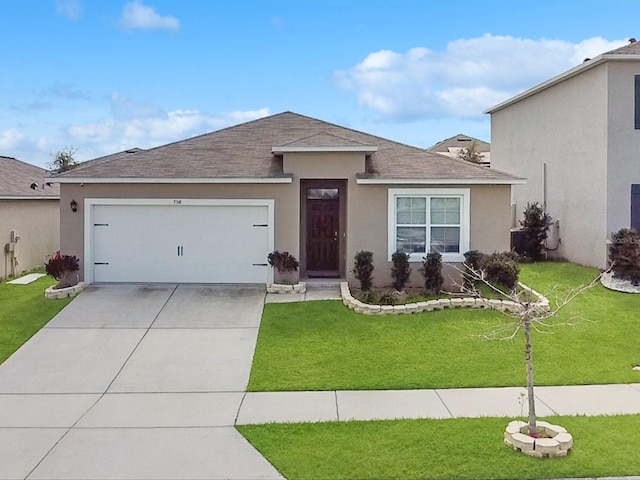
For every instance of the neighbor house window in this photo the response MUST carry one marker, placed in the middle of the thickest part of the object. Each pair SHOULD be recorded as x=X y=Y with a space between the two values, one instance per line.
x=429 y=220
x=637 y=101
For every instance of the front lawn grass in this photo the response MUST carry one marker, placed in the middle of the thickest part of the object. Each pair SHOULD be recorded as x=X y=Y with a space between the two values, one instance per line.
x=24 y=311
x=464 y=448
x=325 y=346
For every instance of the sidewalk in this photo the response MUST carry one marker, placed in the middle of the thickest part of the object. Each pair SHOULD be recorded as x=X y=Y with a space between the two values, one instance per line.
x=341 y=405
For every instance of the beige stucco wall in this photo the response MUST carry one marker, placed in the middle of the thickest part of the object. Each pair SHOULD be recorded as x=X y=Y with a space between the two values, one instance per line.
x=623 y=146
x=564 y=126
x=71 y=226
x=37 y=223
x=366 y=208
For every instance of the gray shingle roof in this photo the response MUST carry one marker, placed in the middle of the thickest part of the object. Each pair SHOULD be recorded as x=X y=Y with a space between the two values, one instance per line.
x=17 y=179
x=459 y=141
x=245 y=151
x=633 y=48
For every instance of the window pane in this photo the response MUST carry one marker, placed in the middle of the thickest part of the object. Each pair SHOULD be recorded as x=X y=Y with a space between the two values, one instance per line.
x=404 y=210
x=445 y=239
x=445 y=211
x=411 y=239
x=322 y=193
x=411 y=210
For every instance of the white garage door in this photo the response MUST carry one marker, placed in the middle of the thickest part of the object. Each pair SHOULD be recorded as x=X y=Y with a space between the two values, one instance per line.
x=180 y=243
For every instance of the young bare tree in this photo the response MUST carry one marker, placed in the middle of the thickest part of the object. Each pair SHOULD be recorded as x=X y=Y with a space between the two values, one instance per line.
x=64 y=160
x=529 y=313
x=471 y=153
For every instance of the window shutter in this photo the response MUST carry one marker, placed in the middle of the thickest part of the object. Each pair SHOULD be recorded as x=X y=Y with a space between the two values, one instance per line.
x=635 y=206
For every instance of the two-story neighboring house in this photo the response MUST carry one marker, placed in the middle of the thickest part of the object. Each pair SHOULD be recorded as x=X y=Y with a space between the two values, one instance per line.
x=576 y=138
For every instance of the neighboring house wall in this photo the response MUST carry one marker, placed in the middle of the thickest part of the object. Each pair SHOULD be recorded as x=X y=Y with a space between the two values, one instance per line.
x=623 y=148
x=564 y=126
x=38 y=225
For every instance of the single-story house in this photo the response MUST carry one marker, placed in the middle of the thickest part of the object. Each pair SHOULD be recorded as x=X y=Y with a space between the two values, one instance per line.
x=453 y=146
x=29 y=217
x=209 y=209
x=576 y=138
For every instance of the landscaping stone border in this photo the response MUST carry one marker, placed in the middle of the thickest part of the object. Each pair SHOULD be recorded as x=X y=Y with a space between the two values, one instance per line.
x=558 y=443
x=283 y=288
x=609 y=281
x=430 y=305
x=53 y=293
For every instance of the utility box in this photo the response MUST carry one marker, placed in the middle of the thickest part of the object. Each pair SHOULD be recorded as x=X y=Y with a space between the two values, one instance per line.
x=518 y=241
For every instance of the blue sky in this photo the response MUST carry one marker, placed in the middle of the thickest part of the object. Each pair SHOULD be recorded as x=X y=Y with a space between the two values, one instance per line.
x=103 y=76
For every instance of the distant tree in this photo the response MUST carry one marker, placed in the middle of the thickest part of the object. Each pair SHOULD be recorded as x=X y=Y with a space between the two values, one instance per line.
x=471 y=153
x=63 y=160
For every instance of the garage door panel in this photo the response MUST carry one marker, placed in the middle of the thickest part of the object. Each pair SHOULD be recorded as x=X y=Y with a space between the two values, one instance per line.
x=183 y=244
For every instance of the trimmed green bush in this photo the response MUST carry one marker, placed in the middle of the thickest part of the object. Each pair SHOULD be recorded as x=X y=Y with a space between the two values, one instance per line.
x=500 y=269
x=363 y=269
x=400 y=270
x=535 y=226
x=432 y=272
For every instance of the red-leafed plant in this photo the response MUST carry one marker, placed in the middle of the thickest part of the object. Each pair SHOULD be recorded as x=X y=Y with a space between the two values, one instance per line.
x=62 y=268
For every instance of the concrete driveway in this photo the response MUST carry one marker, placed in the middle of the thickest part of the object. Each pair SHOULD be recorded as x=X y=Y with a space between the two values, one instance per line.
x=134 y=382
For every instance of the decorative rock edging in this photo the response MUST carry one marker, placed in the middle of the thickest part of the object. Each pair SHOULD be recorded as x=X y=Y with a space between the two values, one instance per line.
x=612 y=283
x=430 y=305
x=282 y=288
x=53 y=293
x=558 y=443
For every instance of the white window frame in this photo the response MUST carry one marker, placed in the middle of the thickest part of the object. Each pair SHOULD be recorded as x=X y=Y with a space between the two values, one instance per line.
x=464 y=194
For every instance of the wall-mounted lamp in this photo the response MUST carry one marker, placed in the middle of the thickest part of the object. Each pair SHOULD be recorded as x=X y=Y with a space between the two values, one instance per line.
x=74 y=205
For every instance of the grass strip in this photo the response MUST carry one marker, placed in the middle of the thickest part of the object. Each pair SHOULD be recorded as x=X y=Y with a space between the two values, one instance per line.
x=24 y=311
x=443 y=449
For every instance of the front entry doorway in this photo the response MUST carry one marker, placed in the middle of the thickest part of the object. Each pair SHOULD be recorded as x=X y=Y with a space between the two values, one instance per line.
x=323 y=228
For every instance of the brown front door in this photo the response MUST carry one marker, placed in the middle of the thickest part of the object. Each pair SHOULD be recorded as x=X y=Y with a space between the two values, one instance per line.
x=323 y=231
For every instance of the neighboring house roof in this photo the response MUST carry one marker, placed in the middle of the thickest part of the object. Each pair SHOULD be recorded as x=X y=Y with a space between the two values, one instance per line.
x=20 y=180
x=451 y=146
x=630 y=52
x=252 y=150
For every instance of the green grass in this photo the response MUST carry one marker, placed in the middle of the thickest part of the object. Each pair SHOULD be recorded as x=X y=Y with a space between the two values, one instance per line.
x=24 y=311
x=442 y=449
x=325 y=346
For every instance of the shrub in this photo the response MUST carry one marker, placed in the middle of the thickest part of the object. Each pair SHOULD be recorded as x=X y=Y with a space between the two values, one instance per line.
x=624 y=254
x=535 y=227
x=500 y=269
x=472 y=260
x=432 y=272
x=283 y=261
x=363 y=269
x=62 y=267
x=400 y=271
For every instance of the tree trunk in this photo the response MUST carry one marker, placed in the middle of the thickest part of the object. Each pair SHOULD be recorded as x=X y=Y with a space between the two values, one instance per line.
x=533 y=428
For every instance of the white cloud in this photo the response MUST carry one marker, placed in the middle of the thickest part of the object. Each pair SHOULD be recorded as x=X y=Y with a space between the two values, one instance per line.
x=469 y=76
x=135 y=15
x=111 y=135
x=69 y=8
x=10 y=139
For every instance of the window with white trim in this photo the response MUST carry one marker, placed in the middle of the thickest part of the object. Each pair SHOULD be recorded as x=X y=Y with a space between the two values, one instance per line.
x=429 y=220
